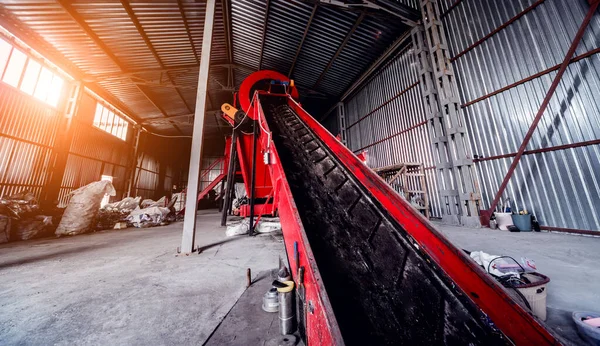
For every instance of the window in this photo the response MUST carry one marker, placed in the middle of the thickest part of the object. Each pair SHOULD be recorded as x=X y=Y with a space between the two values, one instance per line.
x=13 y=72
x=29 y=75
x=43 y=86
x=5 y=49
x=55 y=91
x=110 y=122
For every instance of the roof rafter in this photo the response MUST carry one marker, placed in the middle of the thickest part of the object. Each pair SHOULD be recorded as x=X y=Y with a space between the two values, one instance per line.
x=228 y=40
x=340 y=48
x=264 y=34
x=105 y=49
x=142 y=32
x=312 y=16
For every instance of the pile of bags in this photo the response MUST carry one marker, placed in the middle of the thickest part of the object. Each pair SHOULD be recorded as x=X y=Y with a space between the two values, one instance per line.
x=21 y=218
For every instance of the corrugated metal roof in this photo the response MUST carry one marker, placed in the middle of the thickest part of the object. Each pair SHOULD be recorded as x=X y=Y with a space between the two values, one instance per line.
x=143 y=55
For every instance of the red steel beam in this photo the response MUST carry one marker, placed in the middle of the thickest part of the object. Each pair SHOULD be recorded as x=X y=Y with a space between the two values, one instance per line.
x=532 y=77
x=392 y=136
x=452 y=7
x=486 y=214
x=570 y=230
x=402 y=92
x=541 y=150
x=498 y=29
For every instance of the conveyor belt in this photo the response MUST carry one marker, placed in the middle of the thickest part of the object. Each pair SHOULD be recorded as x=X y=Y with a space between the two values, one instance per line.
x=381 y=288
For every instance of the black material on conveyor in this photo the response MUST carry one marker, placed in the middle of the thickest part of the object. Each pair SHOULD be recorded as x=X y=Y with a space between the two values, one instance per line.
x=382 y=289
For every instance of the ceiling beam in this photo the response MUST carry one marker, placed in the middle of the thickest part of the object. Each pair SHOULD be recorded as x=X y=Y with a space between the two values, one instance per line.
x=142 y=32
x=382 y=9
x=226 y=11
x=66 y=5
x=264 y=34
x=340 y=48
x=187 y=30
x=312 y=16
x=173 y=68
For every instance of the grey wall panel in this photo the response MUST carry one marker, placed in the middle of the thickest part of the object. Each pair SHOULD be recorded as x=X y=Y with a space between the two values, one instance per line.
x=561 y=187
x=386 y=118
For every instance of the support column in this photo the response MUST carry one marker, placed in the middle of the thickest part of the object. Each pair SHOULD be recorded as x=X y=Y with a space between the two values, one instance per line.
x=133 y=160
x=63 y=142
x=454 y=166
x=341 y=114
x=191 y=203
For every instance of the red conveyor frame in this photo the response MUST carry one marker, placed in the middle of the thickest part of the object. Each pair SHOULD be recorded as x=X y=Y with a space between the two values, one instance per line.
x=321 y=327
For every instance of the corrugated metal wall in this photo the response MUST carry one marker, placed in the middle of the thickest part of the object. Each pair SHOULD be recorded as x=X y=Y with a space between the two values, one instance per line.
x=386 y=118
x=560 y=187
x=28 y=130
x=93 y=153
x=27 y=135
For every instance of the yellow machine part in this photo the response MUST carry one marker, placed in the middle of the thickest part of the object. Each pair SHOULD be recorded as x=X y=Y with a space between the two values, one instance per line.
x=229 y=110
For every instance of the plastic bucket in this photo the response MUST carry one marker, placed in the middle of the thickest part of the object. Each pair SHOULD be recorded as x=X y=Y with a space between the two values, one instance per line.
x=504 y=220
x=523 y=222
x=535 y=293
x=587 y=332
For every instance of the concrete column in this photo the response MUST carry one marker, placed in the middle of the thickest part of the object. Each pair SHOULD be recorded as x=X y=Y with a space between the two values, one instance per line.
x=191 y=203
x=60 y=152
x=133 y=160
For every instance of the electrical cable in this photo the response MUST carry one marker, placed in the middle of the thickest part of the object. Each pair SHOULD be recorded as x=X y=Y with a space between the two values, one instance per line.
x=165 y=136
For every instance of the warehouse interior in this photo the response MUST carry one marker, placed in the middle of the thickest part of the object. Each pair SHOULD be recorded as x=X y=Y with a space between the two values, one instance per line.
x=299 y=172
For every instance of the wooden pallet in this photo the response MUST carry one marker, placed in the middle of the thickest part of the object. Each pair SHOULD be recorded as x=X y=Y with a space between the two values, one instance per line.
x=408 y=178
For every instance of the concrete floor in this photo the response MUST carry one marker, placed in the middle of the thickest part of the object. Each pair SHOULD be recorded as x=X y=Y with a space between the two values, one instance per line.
x=126 y=287
x=572 y=262
x=247 y=323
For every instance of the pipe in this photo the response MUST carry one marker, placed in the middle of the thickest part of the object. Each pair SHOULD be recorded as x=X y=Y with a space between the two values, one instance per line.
x=230 y=178
x=253 y=179
x=486 y=215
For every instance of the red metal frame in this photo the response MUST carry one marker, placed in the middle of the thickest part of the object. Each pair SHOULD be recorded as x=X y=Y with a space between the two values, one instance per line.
x=245 y=93
x=322 y=328
x=515 y=322
x=321 y=325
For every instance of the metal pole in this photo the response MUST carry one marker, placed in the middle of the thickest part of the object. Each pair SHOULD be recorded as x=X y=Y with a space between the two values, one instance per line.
x=191 y=203
x=231 y=192
x=230 y=178
x=137 y=133
x=253 y=180
x=485 y=217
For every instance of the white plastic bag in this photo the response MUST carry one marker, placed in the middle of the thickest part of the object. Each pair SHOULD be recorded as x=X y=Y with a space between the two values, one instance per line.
x=148 y=217
x=83 y=207
x=496 y=265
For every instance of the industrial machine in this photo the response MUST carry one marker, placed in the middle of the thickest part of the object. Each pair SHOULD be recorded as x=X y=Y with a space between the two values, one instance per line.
x=370 y=269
